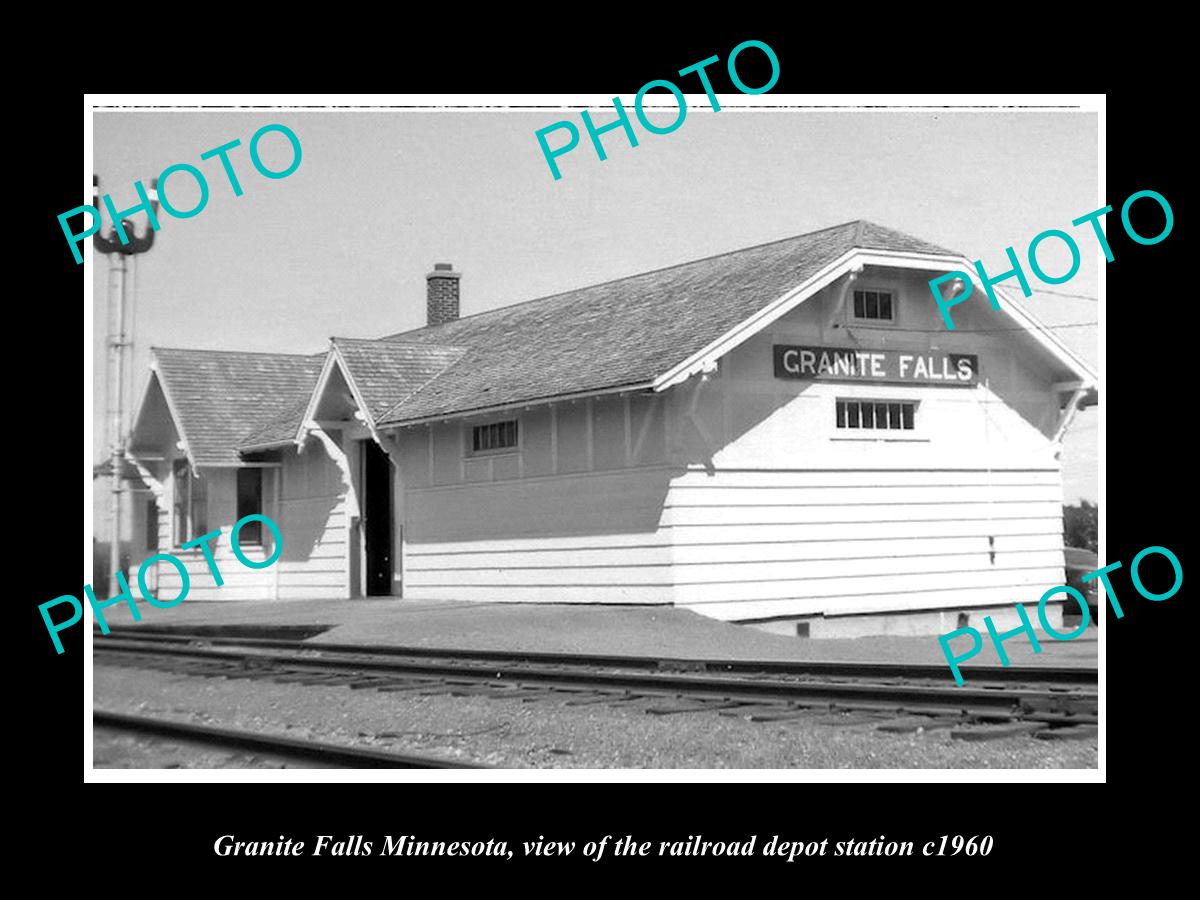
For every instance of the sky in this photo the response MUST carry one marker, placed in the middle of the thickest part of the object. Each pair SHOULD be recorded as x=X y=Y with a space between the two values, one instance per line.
x=341 y=247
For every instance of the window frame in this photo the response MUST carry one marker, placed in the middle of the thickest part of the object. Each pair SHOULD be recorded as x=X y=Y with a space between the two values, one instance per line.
x=842 y=416
x=190 y=531
x=152 y=526
x=855 y=319
x=469 y=450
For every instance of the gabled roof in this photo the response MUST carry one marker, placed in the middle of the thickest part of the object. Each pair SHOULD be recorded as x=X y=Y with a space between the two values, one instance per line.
x=625 y=332
x=379 y=373
x=277 y=429
x=386 y=373
x=645 y=331
x=218 y=397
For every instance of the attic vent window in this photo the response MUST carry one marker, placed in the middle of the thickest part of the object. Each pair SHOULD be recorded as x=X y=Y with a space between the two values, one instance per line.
x=876 y=414
x=495 y=436
x=874 y=305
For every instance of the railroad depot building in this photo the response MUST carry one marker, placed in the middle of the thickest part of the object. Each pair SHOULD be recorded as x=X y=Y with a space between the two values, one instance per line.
x=784 y=435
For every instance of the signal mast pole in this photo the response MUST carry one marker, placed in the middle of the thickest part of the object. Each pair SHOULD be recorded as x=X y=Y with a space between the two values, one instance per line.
x=119 y=342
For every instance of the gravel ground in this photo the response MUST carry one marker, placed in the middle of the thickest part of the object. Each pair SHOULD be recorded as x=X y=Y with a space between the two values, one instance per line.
x=511 y=733
x=113 y=749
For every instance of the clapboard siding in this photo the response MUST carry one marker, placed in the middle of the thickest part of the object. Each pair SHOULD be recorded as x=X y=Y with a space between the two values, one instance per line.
x=861 y=495
x=568 y=593
x=333 y=566
x=865 y=513
x=757 y=544
x=653 y=540
x=592 y=537
x=861 y=549
x=890 y=602
x=865 y=477
x=900 y=529
x=851 y=587
x=780 y=513
x=735 y=543
x=507 y=576
x=240 y=582
x=576 y=553
x=647 y=555
x=797 y=574
x=313 y=517
x=624 y=503
x=757 y=570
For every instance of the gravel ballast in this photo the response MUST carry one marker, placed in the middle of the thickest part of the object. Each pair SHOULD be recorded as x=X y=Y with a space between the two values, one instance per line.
x=515 y=733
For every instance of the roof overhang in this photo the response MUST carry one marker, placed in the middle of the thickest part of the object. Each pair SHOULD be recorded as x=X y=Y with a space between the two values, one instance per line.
x=157 y=376
x=521 y=404
x=334 y=359
x=854 y=261
x=268 y=445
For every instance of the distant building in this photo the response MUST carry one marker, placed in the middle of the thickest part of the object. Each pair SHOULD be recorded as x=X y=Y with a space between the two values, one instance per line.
x=785 y=435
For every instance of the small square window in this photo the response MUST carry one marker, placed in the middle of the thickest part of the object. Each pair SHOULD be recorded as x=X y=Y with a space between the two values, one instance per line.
x=877 y=306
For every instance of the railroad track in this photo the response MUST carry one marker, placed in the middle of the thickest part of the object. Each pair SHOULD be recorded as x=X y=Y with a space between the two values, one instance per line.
x=273 y=746
x=1058 y=675
x=759 y=690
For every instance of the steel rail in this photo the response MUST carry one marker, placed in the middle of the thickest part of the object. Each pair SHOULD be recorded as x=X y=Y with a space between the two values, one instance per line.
x=995 y=701
x=1058 y=675
x=273 y=745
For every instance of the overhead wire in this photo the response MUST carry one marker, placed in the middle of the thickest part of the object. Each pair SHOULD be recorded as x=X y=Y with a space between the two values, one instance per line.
x=966 y=330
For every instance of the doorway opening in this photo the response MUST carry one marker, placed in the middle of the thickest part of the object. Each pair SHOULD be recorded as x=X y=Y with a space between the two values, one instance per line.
x=377 y=520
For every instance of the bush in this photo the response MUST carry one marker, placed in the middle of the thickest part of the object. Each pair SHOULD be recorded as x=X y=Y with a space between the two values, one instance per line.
x=1081 y=526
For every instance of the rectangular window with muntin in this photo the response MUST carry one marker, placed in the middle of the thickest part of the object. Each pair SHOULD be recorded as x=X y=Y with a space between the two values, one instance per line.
x=190 y=512
x=495 y=436
x=878 y=306
x=876 y=415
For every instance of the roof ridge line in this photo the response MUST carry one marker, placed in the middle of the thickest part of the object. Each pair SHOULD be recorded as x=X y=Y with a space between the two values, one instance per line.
x=155 y=347
x=597 y=284
x=860 y=233
x=424 y=345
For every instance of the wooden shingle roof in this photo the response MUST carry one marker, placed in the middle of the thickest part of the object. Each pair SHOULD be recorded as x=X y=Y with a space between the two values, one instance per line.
x=623 y=332
x=387 y=373
x=384 y=372
x=218 y=397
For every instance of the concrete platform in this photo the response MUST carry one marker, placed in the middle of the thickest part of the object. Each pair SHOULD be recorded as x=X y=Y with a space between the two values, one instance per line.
x=574 y=628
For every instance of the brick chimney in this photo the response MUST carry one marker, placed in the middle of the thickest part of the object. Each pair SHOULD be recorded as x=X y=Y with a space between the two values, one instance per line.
x=442 y=294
